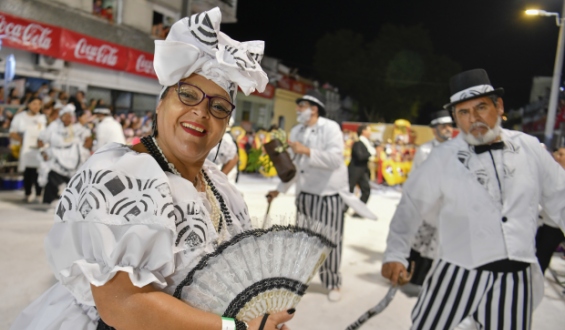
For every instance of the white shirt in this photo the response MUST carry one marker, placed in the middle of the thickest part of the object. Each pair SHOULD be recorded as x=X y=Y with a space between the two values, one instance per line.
x=228 y=150
x=423 y=152
x=475 y=226
x=29 y=127
x=107 y=131
x=323 y=173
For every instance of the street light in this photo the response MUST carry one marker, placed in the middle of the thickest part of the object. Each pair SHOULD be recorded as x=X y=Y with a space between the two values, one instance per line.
x=557 y=69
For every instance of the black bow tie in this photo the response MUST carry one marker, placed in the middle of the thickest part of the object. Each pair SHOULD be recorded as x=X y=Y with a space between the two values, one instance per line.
x=487 y=147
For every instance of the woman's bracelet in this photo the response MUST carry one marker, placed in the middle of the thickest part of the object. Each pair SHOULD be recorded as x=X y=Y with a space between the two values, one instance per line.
x=233 y=324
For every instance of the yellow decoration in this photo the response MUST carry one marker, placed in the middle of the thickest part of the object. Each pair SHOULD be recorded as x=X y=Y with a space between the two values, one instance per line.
x=242 y=159
x=395 y=172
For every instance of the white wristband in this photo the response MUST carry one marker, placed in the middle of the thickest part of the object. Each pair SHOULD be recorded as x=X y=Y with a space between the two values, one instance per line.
x=228 y=324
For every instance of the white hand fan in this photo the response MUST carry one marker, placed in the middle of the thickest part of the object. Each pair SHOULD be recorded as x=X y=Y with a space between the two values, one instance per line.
x=259 y=271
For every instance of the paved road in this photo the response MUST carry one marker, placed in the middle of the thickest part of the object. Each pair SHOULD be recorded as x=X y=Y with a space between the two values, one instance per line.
x=26 y=274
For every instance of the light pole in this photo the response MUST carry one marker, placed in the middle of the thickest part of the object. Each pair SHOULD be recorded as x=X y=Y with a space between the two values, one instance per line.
x=558 y=68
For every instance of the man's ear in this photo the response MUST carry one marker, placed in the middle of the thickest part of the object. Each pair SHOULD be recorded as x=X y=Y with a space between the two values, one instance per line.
x=500 y=106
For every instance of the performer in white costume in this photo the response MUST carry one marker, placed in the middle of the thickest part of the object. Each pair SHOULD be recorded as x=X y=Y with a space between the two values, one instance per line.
x=108 y=130
x=322 y=186
x=424 y=244
x=483 y=187
x=24 y=131
x=225 y=155
x=63 y=152
x=133 y=221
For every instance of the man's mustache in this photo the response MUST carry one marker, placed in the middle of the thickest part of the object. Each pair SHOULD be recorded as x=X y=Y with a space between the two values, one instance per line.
x=479 y=124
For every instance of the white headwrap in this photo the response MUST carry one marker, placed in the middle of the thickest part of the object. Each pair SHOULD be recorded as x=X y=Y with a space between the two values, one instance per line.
x=69 y=108
x=196 y=45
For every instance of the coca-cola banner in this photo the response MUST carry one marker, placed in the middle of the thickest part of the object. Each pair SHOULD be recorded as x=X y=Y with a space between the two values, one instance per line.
x=28 y=35
x=80 y=48
x=140 y=63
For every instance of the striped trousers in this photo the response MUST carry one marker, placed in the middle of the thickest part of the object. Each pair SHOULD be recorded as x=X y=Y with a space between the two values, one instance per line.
x=329 y=210
x=495 y=300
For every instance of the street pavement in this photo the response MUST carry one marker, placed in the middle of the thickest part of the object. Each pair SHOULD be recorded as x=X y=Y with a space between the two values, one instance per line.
x=26 y=273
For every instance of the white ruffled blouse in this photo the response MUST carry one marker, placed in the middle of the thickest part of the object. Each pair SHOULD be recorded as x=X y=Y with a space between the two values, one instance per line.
x=121 y=212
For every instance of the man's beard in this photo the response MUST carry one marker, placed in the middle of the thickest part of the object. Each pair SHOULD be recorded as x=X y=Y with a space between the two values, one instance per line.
x=491 y=135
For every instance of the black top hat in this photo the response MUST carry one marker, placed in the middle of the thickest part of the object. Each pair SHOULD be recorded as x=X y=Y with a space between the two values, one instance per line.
x=316 y=98
x=441 y=117
x=470 y=85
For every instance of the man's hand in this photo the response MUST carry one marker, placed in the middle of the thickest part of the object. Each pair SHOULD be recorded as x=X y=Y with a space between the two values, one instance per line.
x=272 y=195
x=272 y=321
x=299 y=148
x=393 y=271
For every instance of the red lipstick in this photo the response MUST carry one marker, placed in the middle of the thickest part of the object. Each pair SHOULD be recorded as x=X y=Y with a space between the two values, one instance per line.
x=194 y=128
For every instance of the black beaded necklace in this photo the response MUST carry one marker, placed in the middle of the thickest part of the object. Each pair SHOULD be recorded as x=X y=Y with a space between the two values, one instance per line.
x=153 y=151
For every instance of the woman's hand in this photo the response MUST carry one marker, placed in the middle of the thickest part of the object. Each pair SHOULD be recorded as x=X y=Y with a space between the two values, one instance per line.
x=273 y=320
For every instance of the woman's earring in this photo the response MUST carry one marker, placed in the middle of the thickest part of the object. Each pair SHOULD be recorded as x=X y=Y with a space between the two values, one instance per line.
x=217 y=151
x=154 y=127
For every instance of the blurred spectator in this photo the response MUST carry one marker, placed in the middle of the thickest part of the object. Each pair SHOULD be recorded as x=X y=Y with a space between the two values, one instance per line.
x=108 y=14
x=559 y=156
x=49 y=112
x=42 y=91
x=1 y=94
x=107 y=129
x=28 y=95
x=3 y=117
x=157 y=30
x=80 y=98
x=97 y=8
x=24 y=131
x=63 y=98
x=50 y=96
x=146 y=128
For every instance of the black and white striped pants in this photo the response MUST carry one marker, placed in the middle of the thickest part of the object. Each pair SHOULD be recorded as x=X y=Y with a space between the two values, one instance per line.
x=329 y=210
x=495 y=300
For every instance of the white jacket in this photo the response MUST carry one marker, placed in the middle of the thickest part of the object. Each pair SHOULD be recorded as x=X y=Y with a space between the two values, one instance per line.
x=473 y=228
x=323 y=173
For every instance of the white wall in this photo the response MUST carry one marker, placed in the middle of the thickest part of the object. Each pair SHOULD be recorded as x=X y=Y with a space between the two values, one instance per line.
x=85 y=5
x=138 y=14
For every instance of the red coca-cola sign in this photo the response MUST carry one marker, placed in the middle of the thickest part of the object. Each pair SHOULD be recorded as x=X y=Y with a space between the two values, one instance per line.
x=80 y=48
x=141 y=63
x=28 y=35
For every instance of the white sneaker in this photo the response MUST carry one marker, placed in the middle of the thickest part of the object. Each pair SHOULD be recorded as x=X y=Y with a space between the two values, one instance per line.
x=334 y=295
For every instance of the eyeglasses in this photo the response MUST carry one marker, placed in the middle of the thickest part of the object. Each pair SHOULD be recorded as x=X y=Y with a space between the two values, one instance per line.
x=191 y=95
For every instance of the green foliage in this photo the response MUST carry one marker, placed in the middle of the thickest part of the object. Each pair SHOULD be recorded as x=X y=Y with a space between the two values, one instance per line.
x=391 y=76
x=256 y=160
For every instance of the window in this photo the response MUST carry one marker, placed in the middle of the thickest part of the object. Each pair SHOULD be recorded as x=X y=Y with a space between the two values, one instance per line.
x=108 y=10
x=163 y=19
x=246 y=113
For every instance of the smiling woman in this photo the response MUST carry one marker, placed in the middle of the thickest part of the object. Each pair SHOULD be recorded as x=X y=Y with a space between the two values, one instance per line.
x=134 y=221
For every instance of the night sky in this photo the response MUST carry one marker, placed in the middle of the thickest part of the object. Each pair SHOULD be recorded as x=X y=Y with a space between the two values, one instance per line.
x=492 y=34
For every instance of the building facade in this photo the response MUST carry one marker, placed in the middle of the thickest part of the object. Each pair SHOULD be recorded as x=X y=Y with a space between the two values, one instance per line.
x=102 y=47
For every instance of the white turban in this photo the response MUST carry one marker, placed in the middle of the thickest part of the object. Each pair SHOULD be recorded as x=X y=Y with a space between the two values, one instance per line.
x=69 y=108
x=196 y=45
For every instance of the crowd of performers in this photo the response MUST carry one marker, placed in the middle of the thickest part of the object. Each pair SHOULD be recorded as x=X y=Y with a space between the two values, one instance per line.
x=134 y=220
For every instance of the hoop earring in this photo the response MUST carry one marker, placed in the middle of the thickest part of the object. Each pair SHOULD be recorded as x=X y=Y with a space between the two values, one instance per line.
x=154 y=128
x=217 y=151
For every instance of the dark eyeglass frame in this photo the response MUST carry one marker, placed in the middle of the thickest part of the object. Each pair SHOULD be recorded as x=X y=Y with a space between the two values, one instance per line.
x=204 y=96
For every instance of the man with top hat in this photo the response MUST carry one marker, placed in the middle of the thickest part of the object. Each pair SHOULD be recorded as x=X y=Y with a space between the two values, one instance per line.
x=108 y=130
x=322 y=187
x=424 y=243
x=481 y=190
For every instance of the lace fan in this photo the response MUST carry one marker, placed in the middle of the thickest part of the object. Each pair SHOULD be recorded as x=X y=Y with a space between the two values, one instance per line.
x=259 y=271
